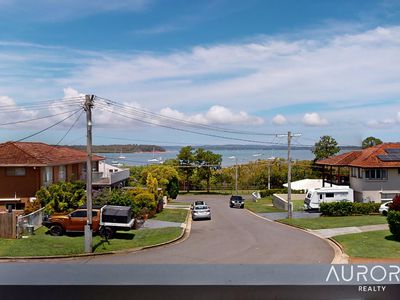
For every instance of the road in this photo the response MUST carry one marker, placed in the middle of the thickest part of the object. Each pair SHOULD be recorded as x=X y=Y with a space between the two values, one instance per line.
x=233 y=236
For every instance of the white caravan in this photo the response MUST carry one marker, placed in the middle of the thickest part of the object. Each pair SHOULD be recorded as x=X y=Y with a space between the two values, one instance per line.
x=328 y=194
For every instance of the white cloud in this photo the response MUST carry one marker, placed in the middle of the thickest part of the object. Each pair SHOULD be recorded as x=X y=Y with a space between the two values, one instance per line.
x=279 y=120
x=381 y=123
x=314 y=119
x=215 y=115
x=398 y=117
x=10 y=112
x=269 y=73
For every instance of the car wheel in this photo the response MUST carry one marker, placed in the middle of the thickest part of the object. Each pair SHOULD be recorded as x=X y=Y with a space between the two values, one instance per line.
x=56 y=230
x=384 y=213
x=107 y=232
x=242 y=206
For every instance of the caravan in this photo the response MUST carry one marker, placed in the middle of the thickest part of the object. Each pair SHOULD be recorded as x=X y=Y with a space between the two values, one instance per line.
x=327 y=194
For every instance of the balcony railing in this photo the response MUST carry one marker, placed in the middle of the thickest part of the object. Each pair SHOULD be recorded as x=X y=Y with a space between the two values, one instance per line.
x=98 y=179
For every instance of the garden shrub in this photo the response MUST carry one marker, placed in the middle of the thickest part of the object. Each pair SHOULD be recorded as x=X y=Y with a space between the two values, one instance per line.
x=348 y=208
x=144 y=203
x=393 y=218
x=62 y=196
x=396 y=203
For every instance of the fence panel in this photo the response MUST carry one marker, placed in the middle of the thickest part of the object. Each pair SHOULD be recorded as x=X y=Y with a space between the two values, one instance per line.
x=8 y=228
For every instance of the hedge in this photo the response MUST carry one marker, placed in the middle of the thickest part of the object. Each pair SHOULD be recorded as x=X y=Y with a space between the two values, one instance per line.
x=266 y=193
x=393 y=218
x=349 y=208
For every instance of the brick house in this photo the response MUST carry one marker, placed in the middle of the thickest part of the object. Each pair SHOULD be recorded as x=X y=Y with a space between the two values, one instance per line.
x=27 y=166
x=373 y=173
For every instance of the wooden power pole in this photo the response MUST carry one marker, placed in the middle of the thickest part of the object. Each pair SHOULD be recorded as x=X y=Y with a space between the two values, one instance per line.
x=88 y=227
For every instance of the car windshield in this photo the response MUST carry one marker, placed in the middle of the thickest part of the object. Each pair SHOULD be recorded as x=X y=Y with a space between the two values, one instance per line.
x=199 y=203
x=236 y=198
x=199 y=207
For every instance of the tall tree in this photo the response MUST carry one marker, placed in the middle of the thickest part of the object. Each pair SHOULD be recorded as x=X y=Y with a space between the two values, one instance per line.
x=207 y=162
x=325 y=147
x=370 y=142
x=186 y=161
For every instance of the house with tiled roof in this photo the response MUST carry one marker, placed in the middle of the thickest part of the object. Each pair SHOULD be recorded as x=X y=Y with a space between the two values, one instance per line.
x=26 y=166
x=373 y=173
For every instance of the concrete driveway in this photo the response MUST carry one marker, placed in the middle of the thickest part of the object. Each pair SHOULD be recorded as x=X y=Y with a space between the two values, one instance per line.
x=233 y=236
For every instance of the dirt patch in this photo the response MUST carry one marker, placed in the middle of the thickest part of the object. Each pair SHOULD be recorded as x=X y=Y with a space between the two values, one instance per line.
x=362 y=260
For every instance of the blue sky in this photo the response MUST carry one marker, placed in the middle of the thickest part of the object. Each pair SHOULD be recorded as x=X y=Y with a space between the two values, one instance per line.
x=313 y=67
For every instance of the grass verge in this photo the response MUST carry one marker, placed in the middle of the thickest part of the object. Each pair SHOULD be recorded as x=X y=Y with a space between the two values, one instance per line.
x=335 y=222
x=172 y=215
x=263 y=205
x=372 y=244
x=43 y=244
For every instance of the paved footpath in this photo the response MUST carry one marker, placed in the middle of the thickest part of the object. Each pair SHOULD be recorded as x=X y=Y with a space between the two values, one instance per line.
x=327 y=233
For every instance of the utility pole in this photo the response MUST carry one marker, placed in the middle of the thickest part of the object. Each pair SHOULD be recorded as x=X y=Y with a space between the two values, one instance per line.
x=289 y=162
x=289 y=177
x=88 y=227
x=269 y=174
x=236 y=173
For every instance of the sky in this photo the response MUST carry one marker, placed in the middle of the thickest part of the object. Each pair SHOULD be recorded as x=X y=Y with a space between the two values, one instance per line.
x=257 y=66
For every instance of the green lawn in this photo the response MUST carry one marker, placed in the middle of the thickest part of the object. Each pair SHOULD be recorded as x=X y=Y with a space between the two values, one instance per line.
x=172 y=215
x=263 y=205
x=335 y=222
x=373 y=244
x=179 y=203
x=42 y=244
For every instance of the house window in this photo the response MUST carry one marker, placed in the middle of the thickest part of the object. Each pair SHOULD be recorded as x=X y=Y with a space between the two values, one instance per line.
x=47 y=175
x=376 y=174
x=62 y=173
x=359 y=173
x=16 y=172
x=353 y=172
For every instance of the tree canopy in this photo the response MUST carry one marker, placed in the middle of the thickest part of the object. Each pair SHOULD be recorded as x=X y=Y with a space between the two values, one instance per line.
x=325 y=147
x=370 y=142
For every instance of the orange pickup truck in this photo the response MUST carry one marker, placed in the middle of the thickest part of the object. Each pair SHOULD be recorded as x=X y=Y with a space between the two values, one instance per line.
x=106 y=221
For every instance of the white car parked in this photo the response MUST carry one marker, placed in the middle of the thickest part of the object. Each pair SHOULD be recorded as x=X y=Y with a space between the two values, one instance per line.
x=383 y=209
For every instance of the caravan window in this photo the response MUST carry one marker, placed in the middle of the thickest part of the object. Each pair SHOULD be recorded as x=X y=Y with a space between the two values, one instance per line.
x=329 y=195
x=320 y=196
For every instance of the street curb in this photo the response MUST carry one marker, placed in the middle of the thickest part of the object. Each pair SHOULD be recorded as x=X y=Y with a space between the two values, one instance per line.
x=340 y=256
x=181 y=238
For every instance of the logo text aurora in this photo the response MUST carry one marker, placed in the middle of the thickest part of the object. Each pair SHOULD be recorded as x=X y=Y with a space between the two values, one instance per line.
x=364 y=273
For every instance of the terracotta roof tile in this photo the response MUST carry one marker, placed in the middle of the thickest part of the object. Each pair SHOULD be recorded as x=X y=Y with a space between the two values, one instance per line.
x=39 y=154
x=366 y=158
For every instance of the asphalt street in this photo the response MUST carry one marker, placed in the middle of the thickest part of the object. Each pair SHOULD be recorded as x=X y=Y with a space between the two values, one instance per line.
x=233 y=236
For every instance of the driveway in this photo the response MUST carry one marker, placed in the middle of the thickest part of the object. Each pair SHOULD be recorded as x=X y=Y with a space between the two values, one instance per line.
x=233 y=236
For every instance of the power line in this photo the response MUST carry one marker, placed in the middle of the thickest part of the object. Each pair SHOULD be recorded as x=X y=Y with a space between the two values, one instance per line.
x=42 y=102
x=35 y=119
x=70 y=128
x=47 y=128
x=186 y=130
x=177 y=120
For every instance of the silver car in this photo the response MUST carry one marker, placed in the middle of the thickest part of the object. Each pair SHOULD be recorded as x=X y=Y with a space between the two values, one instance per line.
x=201 y=212
x=197 y=203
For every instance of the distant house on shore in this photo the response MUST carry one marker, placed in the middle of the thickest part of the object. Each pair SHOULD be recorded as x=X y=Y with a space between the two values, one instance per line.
x=27 y=166
x=373 y=173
